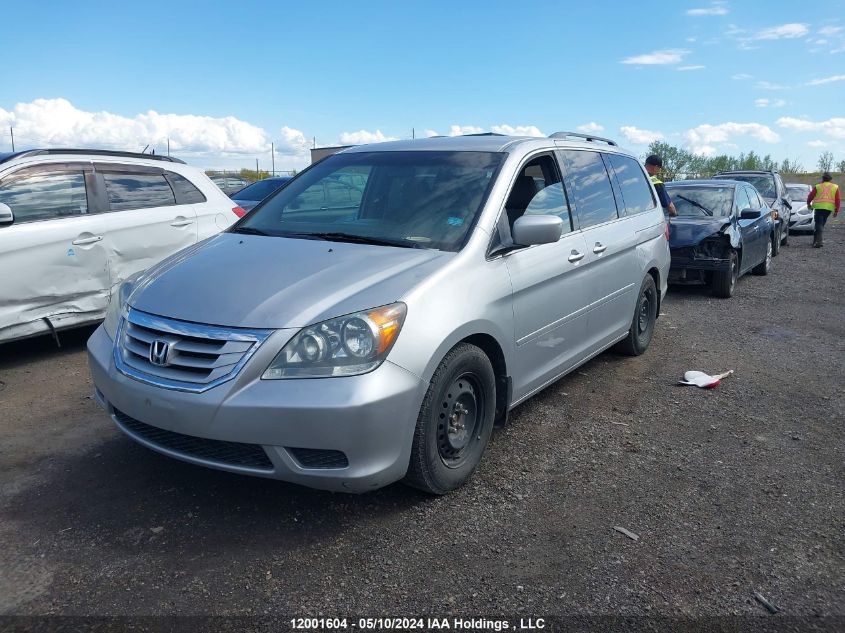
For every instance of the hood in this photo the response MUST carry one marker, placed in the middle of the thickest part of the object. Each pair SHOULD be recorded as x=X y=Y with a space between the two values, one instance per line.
x=689 y=231
x=272 y=282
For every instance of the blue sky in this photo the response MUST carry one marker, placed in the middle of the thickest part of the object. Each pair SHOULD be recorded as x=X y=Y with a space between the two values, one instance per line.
x=223 y=80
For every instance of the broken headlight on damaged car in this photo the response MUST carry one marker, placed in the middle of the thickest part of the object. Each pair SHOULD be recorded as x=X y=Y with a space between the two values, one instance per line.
x=716 y=247
x=345 y=346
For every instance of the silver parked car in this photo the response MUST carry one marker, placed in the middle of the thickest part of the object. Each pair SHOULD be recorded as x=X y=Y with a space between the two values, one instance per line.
x=346 y=344
x=802 y=219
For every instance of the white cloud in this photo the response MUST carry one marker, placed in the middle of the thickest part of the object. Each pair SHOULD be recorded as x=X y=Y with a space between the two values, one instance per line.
x=769 y=103
x=639 y=136
x=742 y=76
x=830 y=30
x=664 y=57
x=768 y=85
x=57 y=123
x=704 y=139
x=590 y=128
x=784 y=31
x=458 y=130
x=715 y=8
x=826 y=80
x=833 y=128
x=816 y=143
x=363 y=137
x=430 y=133
x=519 y=130
x=697 y=67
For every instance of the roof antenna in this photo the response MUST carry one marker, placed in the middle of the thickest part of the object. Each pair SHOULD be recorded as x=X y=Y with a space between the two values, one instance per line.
x=144 y=151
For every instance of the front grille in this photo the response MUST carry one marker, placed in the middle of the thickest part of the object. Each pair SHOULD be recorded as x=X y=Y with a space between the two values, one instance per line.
x=217 y=451
x=318 y=458
x=199 y=356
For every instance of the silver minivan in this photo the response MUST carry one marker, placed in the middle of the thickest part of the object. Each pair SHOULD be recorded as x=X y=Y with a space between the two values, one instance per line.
x=373 y=319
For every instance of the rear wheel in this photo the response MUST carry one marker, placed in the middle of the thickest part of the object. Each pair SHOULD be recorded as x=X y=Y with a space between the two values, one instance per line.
x=455 y=421
x=642 y=325
x=763 y=267
x=724 y=282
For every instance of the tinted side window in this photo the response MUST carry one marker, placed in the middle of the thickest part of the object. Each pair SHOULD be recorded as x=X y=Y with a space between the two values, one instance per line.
x=592 y=191
x=45 y=196
x=538 y=190
x=742 y=201
x=753 y=199
x=185 y=191
x=138 y=191
x=635 y=190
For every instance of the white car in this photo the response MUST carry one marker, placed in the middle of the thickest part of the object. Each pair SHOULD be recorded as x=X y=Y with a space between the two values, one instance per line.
x=76 y=223
x=802 y=218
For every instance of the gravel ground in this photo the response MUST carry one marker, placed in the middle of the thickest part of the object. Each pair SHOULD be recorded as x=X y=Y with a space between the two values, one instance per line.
x=731 y=491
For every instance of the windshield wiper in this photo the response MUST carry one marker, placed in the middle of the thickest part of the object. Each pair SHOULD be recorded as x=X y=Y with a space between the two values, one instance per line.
x=336 y=236
x=696 y=204
x=249 y=230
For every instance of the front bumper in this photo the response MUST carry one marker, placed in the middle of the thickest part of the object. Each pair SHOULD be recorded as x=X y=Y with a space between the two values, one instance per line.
x=682 y=267
x=369 y=419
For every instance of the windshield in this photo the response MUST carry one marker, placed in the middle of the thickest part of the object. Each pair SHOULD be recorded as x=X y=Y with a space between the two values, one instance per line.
x=257 y=191
x=765 y=184
x=798 y=193
x=416 y=199
x=702 y=201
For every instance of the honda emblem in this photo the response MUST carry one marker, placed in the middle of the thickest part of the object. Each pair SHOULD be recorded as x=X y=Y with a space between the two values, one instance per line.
x=160 y=352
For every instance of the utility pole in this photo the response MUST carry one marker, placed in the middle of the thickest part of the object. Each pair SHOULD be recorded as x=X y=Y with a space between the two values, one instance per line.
x=257 y=177
x=272 y=159
x=315 y=142
x=413 y=133
x=12 y=132
x=168 y=147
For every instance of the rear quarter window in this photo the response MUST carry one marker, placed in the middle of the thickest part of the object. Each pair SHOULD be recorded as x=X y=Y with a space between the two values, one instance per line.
x=184 y=190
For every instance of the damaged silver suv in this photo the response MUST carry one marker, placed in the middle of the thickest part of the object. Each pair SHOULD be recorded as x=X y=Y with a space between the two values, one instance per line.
x=370 y=321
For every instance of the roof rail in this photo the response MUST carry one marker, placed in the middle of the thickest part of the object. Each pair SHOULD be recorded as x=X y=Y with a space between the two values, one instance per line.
x=591 y=138
x=96 y=152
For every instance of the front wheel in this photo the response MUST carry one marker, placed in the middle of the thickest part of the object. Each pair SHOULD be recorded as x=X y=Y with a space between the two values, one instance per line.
x=455 y=421
x=642 y=325
x=784 y=239
x=724 y=281
x=778 y=240
x=765 y=266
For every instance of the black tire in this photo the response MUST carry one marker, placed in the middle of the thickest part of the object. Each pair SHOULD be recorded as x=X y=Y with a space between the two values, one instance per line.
x=642 y=325
x=784 y=238
x=455 y=421
x=724 y=282
x=778 y=238
x=765 y=266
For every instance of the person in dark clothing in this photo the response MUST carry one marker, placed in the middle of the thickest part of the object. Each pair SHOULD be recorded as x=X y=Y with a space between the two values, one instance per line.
x=653 y=165
x=824 y=198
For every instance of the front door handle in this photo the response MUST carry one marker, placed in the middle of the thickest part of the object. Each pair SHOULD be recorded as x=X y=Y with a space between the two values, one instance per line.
x=87 y=240
x=182 y=222
x=599 y=248
x=575 y=256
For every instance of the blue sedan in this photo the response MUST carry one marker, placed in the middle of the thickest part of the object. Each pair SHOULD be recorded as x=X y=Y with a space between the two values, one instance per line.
x=723 y=229
x=251 y=195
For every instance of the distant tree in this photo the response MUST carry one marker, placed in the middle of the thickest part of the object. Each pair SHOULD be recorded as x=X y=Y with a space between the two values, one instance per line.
x=791 y=166
x=825 y=161
x=676 y=161
x=840 y=166
x=251 y=174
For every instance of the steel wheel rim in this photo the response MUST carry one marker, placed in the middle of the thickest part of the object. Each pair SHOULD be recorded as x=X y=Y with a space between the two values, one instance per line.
x=459 y=418
x=644 y=318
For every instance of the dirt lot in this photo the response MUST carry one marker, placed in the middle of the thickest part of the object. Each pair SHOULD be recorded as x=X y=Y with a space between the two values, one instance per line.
x=732 y=491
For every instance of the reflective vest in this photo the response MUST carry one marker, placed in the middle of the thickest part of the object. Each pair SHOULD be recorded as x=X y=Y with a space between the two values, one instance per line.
x=825 y=198
x=655 y=180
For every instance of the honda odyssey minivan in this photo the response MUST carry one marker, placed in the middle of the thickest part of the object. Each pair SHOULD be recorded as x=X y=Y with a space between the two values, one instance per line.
x=372 y=320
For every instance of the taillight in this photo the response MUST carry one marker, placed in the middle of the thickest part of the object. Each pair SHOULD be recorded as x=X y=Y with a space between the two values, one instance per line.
x=239 y=211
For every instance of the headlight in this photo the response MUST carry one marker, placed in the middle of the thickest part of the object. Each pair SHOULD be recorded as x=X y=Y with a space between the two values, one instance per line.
x=345 y=346
x=117 y=303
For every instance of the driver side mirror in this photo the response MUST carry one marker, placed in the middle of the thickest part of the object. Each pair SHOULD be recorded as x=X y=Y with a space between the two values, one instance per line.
x=6 y=215
x=529 y=230
x=749 y=214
